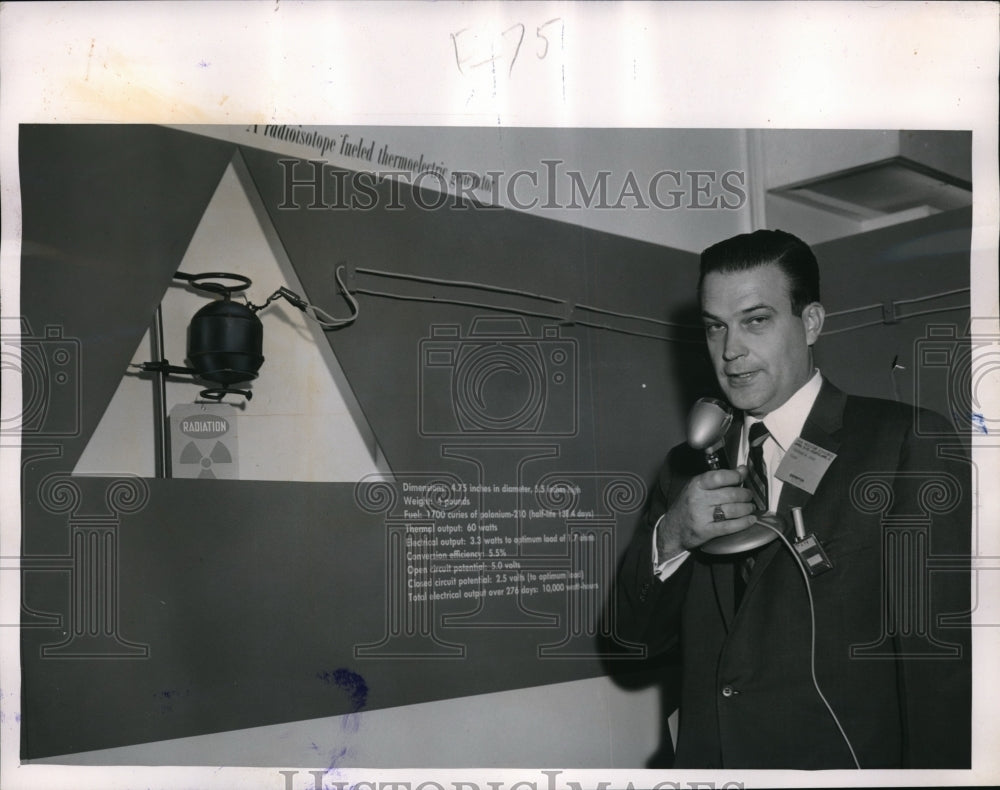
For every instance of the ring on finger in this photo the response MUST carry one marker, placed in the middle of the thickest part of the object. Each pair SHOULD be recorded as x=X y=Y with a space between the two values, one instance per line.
x=718 y=514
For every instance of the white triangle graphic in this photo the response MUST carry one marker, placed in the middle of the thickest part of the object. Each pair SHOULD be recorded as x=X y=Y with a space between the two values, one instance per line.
x=302 y=423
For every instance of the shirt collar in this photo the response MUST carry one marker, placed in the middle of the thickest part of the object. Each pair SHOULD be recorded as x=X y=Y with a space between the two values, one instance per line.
x=785 y=423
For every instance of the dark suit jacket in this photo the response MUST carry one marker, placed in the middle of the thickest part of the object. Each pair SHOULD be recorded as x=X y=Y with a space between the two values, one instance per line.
x=889 y=510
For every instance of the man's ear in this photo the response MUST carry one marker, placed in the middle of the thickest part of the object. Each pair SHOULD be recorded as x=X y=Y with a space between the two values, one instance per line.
x=813 y=315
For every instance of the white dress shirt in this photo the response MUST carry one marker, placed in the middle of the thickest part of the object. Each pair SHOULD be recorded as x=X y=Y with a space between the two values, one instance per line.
x=784 y=425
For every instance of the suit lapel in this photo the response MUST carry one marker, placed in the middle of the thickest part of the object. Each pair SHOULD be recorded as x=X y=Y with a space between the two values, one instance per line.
x=821 y=427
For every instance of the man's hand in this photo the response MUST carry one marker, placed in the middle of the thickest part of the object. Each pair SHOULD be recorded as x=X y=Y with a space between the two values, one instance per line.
x=690 y=520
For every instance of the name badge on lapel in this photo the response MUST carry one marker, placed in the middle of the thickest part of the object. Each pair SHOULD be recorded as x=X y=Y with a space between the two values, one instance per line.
x=804 y=465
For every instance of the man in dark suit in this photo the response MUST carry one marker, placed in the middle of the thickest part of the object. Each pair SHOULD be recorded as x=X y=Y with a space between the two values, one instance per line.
x=867 y=665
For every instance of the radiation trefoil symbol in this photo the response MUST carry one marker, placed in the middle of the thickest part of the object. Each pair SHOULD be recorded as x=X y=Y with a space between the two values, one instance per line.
x=218 y=455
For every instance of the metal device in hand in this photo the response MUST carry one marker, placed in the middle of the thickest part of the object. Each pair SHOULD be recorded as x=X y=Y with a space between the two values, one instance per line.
x=708 y=422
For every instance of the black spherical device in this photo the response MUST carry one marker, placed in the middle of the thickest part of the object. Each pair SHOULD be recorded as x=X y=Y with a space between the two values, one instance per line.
x=226 y=338
x=225 y=343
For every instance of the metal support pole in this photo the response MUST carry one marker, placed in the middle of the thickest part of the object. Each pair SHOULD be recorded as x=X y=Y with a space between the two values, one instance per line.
x=161 y=425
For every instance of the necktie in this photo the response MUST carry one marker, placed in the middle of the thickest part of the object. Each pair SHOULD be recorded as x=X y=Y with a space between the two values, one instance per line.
x=756 y=470
x=757 y=483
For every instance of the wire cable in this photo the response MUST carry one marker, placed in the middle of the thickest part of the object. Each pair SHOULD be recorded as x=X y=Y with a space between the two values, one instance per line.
x=420 y=278
x=569 y=318
x=939 y=295
x=459 y=303
x=196 y=281
x=317 y=314
x=812 y=647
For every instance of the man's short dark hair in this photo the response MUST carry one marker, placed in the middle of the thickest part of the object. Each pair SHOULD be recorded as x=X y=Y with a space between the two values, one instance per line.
x=750 y=250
